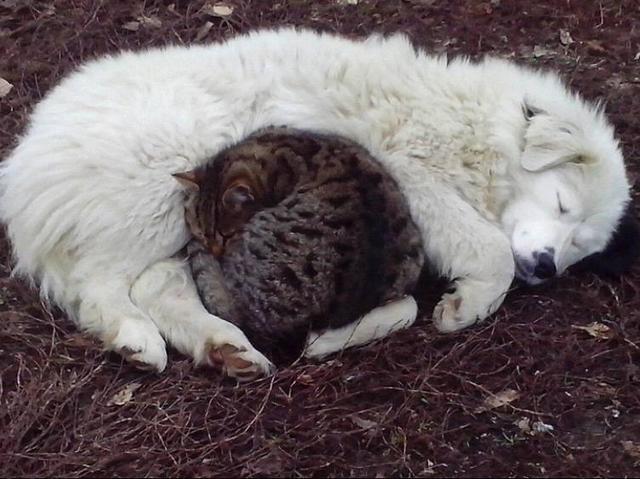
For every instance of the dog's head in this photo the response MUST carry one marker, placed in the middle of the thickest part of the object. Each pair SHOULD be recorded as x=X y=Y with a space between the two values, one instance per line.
x=571 y=202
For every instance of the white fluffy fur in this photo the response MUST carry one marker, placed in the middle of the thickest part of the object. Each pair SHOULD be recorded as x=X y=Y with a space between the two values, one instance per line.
x=90 y=203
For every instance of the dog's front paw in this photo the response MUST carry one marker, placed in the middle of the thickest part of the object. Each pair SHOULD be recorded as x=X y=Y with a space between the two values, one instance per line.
x=140 y=343
x=471 y=302
x=232 y=352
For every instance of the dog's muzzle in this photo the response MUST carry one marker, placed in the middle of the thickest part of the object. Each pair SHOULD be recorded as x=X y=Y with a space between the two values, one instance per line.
x=545 y=266
x=537 y=269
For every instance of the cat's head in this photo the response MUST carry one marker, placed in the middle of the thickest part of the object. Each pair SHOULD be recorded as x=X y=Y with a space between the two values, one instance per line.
x=218 y=205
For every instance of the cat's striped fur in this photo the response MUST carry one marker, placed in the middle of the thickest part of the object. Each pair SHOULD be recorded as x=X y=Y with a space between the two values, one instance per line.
x=316 y=234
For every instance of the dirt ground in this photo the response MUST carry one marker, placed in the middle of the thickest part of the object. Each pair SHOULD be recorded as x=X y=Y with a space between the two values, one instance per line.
x=536 y=390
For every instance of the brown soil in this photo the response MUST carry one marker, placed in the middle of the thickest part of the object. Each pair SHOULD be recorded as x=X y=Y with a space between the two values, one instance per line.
x=411 y=405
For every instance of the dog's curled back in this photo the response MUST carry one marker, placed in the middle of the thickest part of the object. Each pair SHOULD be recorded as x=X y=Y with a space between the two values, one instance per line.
x=310 y=232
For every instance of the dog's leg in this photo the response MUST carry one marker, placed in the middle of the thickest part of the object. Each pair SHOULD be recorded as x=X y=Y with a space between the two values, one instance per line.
x=167 y=293
x=106 y=311
x=471 y=251
x=376 y=324
x=459 y=242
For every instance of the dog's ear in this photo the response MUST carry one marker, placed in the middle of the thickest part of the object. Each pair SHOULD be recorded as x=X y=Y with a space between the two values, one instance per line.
x=620 y=253
x=189 y=179
x=549 y=141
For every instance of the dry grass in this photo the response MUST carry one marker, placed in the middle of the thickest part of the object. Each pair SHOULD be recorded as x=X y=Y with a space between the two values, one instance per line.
x=411 y=405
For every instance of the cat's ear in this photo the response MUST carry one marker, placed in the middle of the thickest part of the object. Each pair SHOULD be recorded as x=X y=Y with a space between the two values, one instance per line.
x=188 y=179
x=238 y=196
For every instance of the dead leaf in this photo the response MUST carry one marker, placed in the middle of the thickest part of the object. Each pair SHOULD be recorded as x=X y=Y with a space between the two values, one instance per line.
x=132 y=26
x=151 y=22
x=595 y=46
x=524 y=425
x=219 y=9
x=604 y=389
x=364 y=423
x=540 y=427
x=537 y=427
x=497 y=400
x=123 y=396
x=203 y=31
x=565 y=38
x=5 y=87
x=597 y=330
x=539 y=51
x=631 y=448
x=482 y=8
x=348 y=2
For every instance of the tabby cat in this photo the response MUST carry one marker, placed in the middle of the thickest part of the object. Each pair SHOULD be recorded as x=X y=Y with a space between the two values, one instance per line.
x=296 y=232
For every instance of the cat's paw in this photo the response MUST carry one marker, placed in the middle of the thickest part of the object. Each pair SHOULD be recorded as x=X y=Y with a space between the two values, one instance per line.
x=377 y=323
x=139 y=343
x=471 y=302
x=231 y=352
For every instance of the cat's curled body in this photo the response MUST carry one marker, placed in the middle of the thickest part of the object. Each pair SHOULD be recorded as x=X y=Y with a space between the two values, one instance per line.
x=297 y=231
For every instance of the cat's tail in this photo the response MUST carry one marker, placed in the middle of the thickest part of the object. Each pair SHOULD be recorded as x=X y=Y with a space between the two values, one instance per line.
x=377 y=323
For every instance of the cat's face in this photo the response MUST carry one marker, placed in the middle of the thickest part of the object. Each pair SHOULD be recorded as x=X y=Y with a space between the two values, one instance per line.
x=218 y=205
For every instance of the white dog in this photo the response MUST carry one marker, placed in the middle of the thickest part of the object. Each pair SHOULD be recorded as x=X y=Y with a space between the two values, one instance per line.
x=497 y=162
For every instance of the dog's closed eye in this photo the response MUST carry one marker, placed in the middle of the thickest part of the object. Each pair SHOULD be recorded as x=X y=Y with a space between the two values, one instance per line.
x=562 y=209
x=530 y=111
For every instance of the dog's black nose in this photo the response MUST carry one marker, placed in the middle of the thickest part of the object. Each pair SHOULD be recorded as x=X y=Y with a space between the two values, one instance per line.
x=545 y=266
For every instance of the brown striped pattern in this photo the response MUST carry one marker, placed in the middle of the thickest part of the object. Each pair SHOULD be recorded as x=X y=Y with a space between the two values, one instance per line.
x=327 y=237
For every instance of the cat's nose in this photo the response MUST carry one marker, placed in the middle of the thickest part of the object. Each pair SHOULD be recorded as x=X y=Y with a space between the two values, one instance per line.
x=545 y=265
